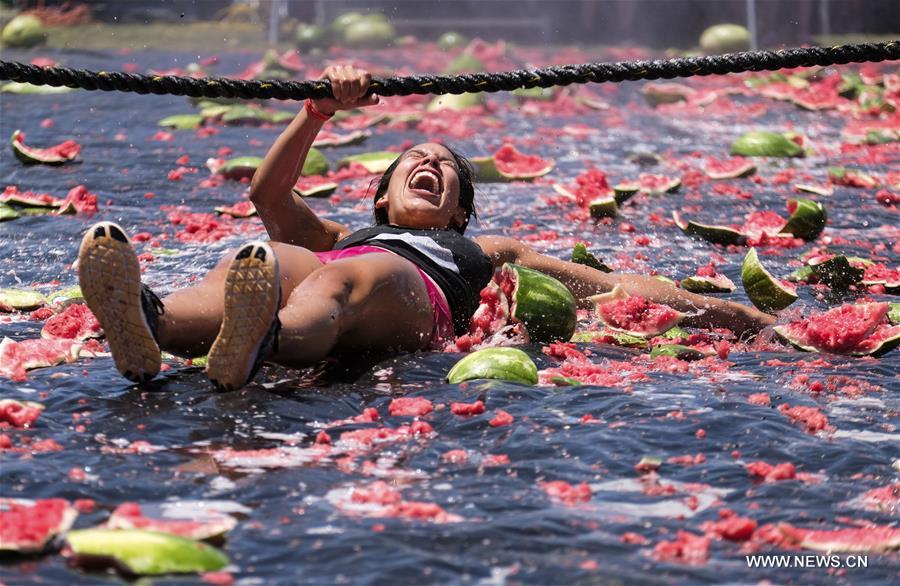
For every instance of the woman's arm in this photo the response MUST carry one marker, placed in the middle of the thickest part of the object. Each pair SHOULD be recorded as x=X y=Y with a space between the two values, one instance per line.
x=584 y=281
x=285 y=215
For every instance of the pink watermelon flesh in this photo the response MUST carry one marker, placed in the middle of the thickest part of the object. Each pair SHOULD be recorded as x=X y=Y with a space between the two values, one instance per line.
x=875 y=539
x=76 y=322
x=17 y=357
x=761 y=222
x=591 y=185
x=844 y=330
x=637 y=315
x=493 y=312
x=879 y=273
x=130 y=516
x=707 y=271
x=510 y=161
x=28 y=526
x=79 y=200
x=19 y=414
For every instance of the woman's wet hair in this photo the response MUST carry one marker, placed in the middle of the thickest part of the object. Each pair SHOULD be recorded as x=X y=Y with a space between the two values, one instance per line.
x=466 y=172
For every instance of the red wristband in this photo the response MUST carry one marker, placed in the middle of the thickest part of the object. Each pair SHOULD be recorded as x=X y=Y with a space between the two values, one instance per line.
x=312 y=111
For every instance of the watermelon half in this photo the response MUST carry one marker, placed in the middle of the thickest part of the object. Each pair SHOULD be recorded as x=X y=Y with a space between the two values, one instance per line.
x=541 y=303
x=59 y=154
x=7 y=213
x=374 y=162
x=649 y=184
x=314 y=186
x=20 y=414
x=182 y=121
x=199 y=525
x=510 y=364
x=856 y=330
x=725 y=235
x=242 y=209
x=28 y=526
x=27 y=199
x=807 y=220
x=728 y=168
x=634 y=315
x=707 y=280
x=508 y=164
x=877 y=539
x=851 y=178
x=666 y=93
x=764 y=290
x=762 y=143
x=139 y=552
x=240 y=167
x=21 y=300
x=879 y=274
x=334 y=139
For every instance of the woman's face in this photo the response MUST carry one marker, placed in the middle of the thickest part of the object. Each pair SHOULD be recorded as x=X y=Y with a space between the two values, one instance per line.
x=423 y=192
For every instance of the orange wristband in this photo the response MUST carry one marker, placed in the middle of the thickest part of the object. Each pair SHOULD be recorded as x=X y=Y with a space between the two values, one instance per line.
x=312 y=111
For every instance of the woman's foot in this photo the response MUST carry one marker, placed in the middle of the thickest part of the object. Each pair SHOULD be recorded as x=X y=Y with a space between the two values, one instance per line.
x=250 y=318
x=110 y=277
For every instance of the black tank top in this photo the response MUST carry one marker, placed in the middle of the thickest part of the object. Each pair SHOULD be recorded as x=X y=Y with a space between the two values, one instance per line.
x=457 y=265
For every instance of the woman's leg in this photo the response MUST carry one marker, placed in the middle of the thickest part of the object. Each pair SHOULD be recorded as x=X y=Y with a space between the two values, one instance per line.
x=193 y=315
x=373 y=301
x=110 y=279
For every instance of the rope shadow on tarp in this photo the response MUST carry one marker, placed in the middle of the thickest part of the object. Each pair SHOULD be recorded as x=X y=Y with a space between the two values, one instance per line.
x=220 y=87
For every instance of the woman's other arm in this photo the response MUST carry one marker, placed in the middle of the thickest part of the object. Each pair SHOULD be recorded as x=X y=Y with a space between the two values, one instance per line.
x=584 y=281
x=285 y=215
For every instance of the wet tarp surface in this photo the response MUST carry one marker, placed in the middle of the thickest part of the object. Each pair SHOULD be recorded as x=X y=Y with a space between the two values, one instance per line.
x=491 y=511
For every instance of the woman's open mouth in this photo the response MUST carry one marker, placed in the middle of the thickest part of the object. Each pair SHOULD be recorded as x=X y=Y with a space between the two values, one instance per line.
x=426 y=182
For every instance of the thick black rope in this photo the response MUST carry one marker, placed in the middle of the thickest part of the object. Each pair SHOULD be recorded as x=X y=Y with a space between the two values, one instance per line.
x=219 y=87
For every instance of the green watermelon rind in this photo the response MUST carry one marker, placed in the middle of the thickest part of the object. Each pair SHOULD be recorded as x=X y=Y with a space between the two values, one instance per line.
x=807 y=221
x=603 y=207
x=679 y=351
x=542 y=304
x=510 y=364
x=894 y=314
x=761 y=287
x=763 y=143
x=22 y=300
x=711 y=233
x=238 y=167
x=147 y=552
x=7 y=213
x=455 y=102
x=182 y=121
x=374 y=162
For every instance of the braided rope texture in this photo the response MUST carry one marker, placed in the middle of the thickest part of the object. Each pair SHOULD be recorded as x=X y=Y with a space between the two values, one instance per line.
x=220 y=87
